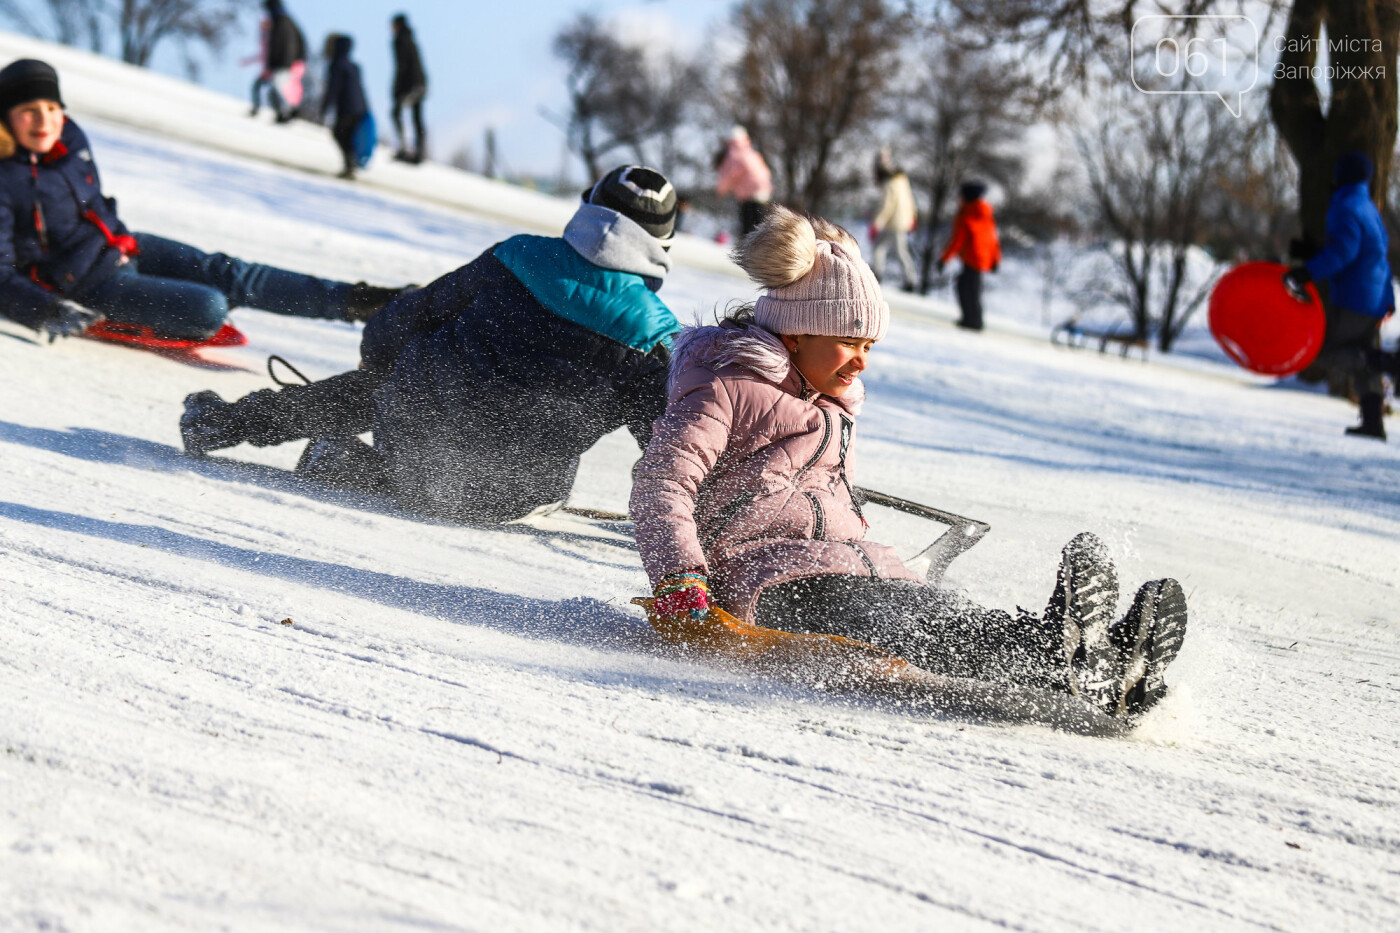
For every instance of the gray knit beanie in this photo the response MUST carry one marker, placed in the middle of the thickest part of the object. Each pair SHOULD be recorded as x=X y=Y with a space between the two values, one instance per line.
x=816 y=281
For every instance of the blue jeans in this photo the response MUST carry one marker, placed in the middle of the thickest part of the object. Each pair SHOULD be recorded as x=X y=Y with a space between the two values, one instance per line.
x=181 y=292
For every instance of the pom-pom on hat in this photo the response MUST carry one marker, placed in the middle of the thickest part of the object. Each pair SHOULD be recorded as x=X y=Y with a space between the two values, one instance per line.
x=25 y=80
x=816 y=281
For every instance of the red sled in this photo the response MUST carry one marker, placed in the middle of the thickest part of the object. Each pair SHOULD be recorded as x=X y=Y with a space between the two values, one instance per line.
x=1260 y=325
x=141 y=335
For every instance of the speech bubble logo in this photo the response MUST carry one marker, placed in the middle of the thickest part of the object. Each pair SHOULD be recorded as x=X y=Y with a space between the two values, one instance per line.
x=1216 y=54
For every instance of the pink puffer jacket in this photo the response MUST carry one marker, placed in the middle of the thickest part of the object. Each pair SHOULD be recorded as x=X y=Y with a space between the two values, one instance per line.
x=747 y=473
x=743 y=174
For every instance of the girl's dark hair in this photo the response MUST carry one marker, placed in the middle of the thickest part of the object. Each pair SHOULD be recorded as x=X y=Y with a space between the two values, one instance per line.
x=737 y=312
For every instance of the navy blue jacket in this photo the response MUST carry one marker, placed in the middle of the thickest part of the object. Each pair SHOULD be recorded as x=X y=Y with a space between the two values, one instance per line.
x=491 y=393
x=345 y=92
x=1354 y=256
x=44 y=233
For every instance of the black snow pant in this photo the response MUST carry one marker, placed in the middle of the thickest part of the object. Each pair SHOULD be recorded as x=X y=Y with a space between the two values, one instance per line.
x=341 y=406
x=413 y=100
x=346 y=126
x=1350 y=339
x=751 y=214
x=970 y=298
x=934 y=628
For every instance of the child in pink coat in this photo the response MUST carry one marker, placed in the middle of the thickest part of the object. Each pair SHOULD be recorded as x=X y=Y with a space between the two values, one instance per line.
x=743 y=498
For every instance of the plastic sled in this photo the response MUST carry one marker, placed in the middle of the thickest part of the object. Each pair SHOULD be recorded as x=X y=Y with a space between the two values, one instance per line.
x=1260 y=325
x=833 y=662
x=143 y=336
x=366 y=138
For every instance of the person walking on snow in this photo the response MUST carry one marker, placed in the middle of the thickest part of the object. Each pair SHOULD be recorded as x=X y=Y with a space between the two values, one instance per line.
x=345 y=97
x=744 y=176
x=896 y=217
x=743 y=500
x=484 y=388
x=974 y=241
x=1354 y=260
x=283 y=63
x=410 y=87
x=67 y=261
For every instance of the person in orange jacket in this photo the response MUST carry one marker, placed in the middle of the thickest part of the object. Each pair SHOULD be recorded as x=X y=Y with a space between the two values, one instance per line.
x=974 y=241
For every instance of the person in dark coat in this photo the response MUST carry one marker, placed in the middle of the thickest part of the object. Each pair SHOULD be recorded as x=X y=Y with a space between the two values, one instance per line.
x=284 y=62
x=67 y=260
x=1353 y=260
x=410 y=87
x=345 y=97
x=484 y=388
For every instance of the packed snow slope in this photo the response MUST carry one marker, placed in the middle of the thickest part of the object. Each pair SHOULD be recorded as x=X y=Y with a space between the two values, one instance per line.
x=231 y=701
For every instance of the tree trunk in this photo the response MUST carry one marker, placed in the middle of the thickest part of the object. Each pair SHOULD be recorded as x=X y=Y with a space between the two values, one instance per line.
x=1362 y=115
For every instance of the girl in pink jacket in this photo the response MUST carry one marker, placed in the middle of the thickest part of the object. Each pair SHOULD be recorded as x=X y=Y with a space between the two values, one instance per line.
x=743 y=498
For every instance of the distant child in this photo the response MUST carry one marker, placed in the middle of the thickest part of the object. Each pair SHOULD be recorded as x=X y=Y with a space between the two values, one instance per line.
x=1354 y=259
x=973 y=240
x=410 y=87
x=744 y=176
x=743 y=499
x=894 y=220
x=283 y=63
x=345 y=97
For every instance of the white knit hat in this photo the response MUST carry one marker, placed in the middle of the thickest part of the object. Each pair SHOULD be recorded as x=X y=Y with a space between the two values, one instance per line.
x=817 y=283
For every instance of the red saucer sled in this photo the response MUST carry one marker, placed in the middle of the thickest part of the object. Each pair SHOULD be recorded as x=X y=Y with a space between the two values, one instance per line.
x=140 y=335
x=1260 y=325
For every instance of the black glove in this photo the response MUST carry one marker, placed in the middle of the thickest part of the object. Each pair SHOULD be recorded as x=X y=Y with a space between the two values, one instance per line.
x=996 y=267
x=941 y=264
x=67 y=318
x=1296 y=280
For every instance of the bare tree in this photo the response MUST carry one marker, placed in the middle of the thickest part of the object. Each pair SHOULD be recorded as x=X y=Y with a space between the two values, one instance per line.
x=141 y=26
x=622 y=96
x=1150 y=165
x=71 y=22
x=961 y=118
x=809 y=83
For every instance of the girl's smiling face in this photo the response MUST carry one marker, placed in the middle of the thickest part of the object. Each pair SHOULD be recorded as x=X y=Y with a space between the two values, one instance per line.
x=829 y=364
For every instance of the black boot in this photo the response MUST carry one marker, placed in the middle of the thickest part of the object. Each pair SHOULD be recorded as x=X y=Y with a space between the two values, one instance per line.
x=345 y=462
x=1372 y=417
x=365 y=300
x=1148 y=640
x=1082 y=606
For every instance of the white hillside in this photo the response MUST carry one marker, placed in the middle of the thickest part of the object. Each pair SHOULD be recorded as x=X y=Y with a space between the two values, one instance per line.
x=469 y=728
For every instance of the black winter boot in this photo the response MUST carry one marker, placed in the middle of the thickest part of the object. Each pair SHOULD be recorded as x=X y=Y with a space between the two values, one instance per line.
x=1082 y=606
x=365 y=300
x=344 y=462
x=1372 y=417
x=1148 y=640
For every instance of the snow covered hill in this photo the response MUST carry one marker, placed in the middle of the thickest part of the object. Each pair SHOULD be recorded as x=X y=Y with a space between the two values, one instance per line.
x=228 y=701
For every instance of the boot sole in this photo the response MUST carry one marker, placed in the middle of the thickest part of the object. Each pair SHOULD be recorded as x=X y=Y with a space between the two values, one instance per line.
x=1090 y=587
x=1152 y=645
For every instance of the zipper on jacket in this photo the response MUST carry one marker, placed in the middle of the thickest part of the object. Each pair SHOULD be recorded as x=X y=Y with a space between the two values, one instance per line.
x=821 y=448
x=848 y=428
x=818 y=517
x=722 y=520
x=865 y=558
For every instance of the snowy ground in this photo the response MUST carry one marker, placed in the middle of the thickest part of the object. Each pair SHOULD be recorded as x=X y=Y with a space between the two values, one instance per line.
x=470 y=729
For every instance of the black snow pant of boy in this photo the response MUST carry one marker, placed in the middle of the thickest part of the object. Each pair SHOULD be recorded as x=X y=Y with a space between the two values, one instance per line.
x=970 y=298
x=934 y=628
x=412 y=101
